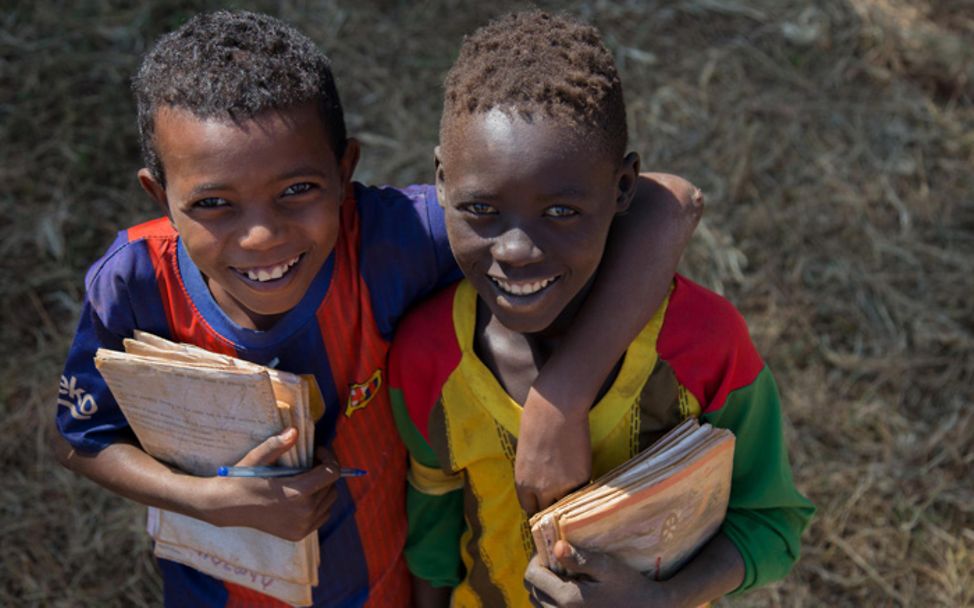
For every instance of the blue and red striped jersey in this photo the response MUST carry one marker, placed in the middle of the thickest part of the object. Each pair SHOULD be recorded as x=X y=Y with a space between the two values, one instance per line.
x=392 y=250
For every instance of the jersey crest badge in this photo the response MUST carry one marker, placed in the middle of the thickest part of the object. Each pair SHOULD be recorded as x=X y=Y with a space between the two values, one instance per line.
x=359 y=395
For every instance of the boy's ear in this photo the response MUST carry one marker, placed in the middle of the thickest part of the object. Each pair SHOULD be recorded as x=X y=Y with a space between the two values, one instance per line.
x=440 y=176
x=349 y=160
x=626 y=180
x=154 y=189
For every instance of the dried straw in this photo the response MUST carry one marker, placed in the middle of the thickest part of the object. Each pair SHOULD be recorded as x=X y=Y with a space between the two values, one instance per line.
x=835 y=142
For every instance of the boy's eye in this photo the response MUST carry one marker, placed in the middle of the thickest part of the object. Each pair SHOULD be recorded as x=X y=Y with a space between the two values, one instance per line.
x=295 y=189
x=560 y=211
x=210 y=203
x=479 y=209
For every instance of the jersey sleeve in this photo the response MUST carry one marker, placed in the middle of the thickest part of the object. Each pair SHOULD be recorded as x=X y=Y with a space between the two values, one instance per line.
x=766 y=514
x=87 y=414
x=405 y=252
x=434 y=510
x=422 y=357
x=434 y=503
x=707 y=343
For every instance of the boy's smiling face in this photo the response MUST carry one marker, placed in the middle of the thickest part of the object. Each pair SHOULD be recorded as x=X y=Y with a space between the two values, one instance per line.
x=256 y=203
x=528 y=209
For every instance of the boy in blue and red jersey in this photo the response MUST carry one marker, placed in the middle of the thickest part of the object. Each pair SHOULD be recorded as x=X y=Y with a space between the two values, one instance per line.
x=269 y=252
x=533 y=172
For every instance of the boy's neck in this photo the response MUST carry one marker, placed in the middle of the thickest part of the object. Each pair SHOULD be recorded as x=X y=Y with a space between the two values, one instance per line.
x=239 y=314
x=515 y=359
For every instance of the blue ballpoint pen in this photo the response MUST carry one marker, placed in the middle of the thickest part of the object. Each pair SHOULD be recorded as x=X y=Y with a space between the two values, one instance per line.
x=278 y=472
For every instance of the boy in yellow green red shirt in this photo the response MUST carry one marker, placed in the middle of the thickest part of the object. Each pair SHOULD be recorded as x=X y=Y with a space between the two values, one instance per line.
x=532 y=171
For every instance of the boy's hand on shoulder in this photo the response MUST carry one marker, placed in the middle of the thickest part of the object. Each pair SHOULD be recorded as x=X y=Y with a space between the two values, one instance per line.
x=593 y=580
x=287 y=507
x=553 y=452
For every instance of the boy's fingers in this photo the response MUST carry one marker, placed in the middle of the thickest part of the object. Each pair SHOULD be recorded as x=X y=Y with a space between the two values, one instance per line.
x=528 y=500
x=540 y=599
x=538 y=576
x=270 y=450
x=549 y=589
x=318 y=478
x=324 y=456
x=323 y=508
x=596 y=565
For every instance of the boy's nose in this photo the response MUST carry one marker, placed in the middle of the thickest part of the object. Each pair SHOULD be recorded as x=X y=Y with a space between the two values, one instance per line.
x=261 y=232
x=515 y=247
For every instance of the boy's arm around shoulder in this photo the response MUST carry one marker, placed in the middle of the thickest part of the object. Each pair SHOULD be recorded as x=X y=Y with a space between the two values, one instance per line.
x=553 y=452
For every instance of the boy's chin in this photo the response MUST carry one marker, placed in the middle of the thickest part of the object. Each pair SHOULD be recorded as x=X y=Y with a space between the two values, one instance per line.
x=521 y=314
x=522 y=323
x=261 y=311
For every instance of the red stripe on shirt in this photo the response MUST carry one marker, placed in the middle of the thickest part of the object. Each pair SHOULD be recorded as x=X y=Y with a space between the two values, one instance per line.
x=706 y=342
x=434 y=329
x=366 y=438
x=157 y=228
x=186 y=324
x=242 y=597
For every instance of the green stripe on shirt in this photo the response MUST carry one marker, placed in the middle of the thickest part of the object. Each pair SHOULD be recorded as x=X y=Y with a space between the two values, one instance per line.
x=411 y=436
x=766 y=514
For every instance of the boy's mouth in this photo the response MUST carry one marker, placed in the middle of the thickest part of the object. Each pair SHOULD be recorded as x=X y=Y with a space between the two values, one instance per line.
x=522 y=288
x=264 y=274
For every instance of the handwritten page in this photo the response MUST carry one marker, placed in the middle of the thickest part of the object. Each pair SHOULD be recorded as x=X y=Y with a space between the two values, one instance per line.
x=246 y=547
x=195 y=418
x=198 y=411
x=213 y=564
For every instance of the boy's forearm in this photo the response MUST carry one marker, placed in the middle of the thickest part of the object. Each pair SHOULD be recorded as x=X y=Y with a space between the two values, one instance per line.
x=716 y=571
x=635 y=276
x=128 y=471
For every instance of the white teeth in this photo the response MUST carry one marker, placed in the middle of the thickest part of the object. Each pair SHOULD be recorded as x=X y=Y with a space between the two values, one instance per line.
x=522 y=289
x=271 y=273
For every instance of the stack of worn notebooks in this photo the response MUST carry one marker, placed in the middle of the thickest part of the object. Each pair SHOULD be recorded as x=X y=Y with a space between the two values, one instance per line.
x=199 y=411
x=655 y=511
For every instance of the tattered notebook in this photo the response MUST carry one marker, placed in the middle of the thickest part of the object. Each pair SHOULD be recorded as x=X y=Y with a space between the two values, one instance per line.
x=199 y=411
x=654 y=511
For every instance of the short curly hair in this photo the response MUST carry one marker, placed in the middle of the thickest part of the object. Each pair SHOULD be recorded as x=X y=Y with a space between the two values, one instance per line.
x=234 y=64
x=532 y=62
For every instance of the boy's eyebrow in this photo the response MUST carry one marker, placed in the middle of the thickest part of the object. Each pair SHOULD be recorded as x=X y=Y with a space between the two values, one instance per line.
x=209 y=187
x=486 y=195
x=299 y=171
x=570 y=192
x=479 y=195
x=567 y=192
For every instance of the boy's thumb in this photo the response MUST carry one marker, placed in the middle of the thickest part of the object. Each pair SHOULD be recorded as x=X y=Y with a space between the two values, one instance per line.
x=580 y=561
x=270 y=450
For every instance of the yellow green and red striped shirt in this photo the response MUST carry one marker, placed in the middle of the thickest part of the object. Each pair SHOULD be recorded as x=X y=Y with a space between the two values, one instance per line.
x=694 y=358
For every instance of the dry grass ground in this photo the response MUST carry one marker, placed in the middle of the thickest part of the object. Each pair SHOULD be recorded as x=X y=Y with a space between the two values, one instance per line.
x=835 y=141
